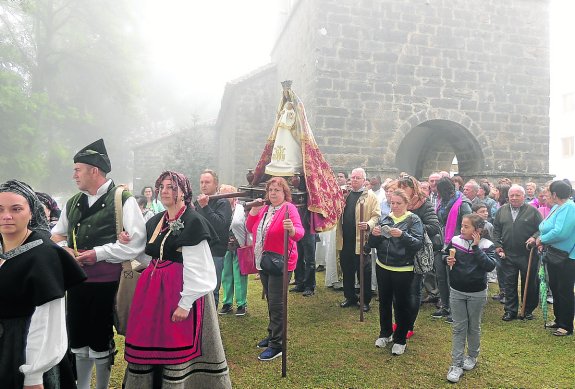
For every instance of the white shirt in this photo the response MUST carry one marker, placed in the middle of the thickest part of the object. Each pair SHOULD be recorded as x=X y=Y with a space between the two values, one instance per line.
x=47 y=341
x=134 y=224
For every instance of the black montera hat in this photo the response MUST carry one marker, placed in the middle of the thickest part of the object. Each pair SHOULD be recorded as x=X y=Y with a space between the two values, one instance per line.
x=95 y=154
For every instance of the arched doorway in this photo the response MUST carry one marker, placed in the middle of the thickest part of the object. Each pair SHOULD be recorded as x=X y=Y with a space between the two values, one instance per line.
x=433 y=144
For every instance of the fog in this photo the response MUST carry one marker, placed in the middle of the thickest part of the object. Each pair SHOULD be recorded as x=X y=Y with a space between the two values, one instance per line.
x=127 y=71
x=133 y=71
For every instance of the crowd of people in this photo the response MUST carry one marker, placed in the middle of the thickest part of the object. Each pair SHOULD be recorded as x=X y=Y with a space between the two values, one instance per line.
x=474 y=226
x=60 y=269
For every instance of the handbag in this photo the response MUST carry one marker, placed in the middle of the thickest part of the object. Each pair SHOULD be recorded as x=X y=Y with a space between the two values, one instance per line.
x=423 y=260
x=272 y=263
x=128 y=278
x=246 y=260
x=553 y=255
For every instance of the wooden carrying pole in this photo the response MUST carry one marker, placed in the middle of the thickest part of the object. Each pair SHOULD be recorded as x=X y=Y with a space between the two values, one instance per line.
x=361 y=261
x=285 y=300
x=525 y=290
x=228 y=195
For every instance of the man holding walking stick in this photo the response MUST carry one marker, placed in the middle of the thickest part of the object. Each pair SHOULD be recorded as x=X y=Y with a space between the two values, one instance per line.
x=348 y=235
x=515 y=229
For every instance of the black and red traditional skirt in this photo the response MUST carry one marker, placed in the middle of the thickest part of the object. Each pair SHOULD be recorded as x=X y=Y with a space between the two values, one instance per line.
x=152 y=338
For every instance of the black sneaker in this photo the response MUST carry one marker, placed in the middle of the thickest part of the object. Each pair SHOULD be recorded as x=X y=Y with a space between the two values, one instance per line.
x=440 y=313
x=449 y=320
x=226 y=308
x=320 y=268
x=241 y=311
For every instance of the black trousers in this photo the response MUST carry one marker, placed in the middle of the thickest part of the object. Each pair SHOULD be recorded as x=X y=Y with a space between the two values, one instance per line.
x=514 y=266
x=90 y=314
x=305 y=270
x=394 y=285
x=561 y=281
x=273 y=288
x=349 y=261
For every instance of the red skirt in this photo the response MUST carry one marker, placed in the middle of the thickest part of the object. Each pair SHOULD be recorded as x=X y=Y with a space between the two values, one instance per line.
x=152 y=338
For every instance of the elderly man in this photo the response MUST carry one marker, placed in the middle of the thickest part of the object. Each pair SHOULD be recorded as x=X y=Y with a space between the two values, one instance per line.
x=470 y=190
x=515 y=229
x=349 y=228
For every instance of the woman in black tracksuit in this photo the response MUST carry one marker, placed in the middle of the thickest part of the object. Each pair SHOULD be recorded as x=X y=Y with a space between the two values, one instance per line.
x=397 y=240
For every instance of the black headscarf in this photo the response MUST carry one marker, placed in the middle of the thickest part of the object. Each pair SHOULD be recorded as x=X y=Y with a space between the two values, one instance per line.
x=51 y=204
x=38 y=222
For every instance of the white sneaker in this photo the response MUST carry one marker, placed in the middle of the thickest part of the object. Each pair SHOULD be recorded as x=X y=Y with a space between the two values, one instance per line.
x=382 y=342
x=454 y=373
x=398 y=349
x=469 y=363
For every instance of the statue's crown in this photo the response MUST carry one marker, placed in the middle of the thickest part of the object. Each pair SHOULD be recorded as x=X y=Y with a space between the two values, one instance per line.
x=286 y=85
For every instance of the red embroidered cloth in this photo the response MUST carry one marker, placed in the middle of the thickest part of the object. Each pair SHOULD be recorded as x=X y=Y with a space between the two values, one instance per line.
x=324 y=199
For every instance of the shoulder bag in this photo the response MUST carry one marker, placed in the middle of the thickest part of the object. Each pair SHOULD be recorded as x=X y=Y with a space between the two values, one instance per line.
x=553 y=255
x=129 y=276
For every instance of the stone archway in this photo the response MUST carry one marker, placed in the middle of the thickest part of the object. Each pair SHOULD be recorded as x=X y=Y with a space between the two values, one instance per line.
x=430 y=140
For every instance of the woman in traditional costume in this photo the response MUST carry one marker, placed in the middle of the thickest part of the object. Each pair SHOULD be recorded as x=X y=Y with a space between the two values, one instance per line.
x=34 y=276
x=173 y=338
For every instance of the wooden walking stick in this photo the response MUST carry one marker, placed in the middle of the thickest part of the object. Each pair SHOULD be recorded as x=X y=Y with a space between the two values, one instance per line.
x=361 y=261
x=522 y=314
x=285 y=300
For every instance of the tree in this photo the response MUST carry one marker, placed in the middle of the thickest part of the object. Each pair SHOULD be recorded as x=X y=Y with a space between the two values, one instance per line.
x=68 y=73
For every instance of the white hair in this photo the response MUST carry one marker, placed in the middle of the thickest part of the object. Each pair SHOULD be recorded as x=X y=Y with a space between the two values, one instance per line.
x=359 y=170
x=518 y=187
x=474 y=185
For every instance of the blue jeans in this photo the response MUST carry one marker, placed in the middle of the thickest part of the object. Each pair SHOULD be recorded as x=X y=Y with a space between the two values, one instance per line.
x=219 y=264
x=466 y=311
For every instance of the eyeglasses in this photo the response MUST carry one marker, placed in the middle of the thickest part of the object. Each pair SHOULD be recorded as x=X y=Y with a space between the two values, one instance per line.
x=357 y=178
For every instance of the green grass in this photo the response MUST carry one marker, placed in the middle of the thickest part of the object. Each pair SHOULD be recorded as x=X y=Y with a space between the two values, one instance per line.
x=329 y=348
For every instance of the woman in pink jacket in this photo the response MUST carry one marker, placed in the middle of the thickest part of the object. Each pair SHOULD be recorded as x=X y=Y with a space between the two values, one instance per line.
x=267 y=224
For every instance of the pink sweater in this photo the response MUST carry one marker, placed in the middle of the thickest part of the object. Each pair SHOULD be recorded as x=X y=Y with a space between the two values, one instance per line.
x=274 y=241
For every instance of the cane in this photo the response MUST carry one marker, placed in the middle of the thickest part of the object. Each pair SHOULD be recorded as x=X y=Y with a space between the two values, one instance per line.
x=285 y=300
x=522 y=314
x=361 y=260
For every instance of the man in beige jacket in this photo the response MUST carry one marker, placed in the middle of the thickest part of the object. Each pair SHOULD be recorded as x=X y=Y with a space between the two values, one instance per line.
x=349 y=228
